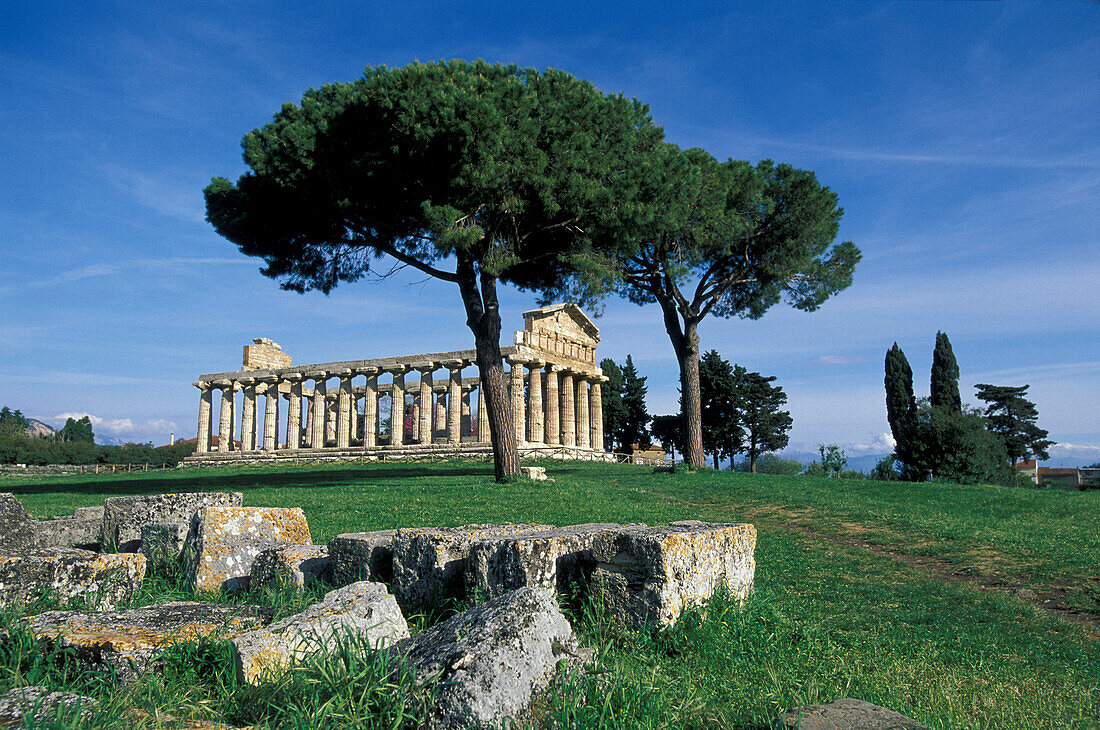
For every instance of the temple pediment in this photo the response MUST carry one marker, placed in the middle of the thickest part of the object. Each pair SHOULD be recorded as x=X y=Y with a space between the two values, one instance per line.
x=560 y=331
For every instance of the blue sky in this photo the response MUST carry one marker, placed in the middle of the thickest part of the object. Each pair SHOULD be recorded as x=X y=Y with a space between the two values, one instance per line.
x=962 y=138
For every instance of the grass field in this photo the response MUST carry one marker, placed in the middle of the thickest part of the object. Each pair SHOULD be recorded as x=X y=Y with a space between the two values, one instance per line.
x=899 y=594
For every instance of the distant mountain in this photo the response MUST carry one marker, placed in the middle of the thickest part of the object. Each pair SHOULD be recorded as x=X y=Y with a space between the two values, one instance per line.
x=36 y=428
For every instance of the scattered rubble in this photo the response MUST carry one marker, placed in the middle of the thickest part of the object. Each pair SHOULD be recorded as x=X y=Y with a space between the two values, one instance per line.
x=224 y=542
x=490 y=661
x=127 y=642
x=104 y=581
x=296 y=565
x=365 y=609
x=124 y=517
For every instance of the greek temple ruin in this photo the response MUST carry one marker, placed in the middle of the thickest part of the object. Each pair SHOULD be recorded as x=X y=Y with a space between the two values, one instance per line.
x=554 y=385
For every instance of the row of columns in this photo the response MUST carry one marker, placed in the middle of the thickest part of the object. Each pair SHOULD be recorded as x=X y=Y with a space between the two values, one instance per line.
x=551 y=405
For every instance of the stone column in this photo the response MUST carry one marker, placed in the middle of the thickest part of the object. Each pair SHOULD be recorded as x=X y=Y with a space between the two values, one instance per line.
x=595 y=407
x=317 y=413
x=517 y=401
x=330 y=419
x=343 y=411
x=370 y=410
x=484 y=433
x=397 y=410
x=552 y=427
x=581 y=387
x=454 y=405
x=423 y=407
x=294 y=415
x=353 y=421
x=465 y=427
x=271 y=417
x=248 y=416
x=535 y=414
x=205 y=406
x=234 y=386
x=307 y=435
x=225 y=416
x=568 y=411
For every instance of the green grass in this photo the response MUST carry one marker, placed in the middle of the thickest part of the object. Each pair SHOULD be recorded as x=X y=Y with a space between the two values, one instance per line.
x=827 y=620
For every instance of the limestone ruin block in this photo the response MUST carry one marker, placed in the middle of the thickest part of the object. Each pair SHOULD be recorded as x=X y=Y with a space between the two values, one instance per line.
x=34 y=706
x=844 y=714
x=429 y=563
x=129 y=641
x=551 y=559
x=363 y=609
x=67 y=573
x=296 y=565
x=534 y=473
x=124 y=517
x=357 y=556
x=17 y=527
x=647 y=575
x=80 y=530
x=491 y=660
x=224 y=542
x=162 y=543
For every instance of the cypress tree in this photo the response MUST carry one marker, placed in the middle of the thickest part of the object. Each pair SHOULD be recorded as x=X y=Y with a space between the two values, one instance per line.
x=945 y=376
x=901 y=404
x=634 y=429
x=614 y=412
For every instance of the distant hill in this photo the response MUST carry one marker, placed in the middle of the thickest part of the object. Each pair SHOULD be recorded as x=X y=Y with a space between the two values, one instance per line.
x=36 y=428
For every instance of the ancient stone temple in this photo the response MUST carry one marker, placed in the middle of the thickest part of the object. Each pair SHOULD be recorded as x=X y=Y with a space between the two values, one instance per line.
x=407 y=406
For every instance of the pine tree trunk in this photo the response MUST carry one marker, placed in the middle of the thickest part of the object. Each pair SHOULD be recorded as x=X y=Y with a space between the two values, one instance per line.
x=483 y=319
x=752 y=462
x=692 y=399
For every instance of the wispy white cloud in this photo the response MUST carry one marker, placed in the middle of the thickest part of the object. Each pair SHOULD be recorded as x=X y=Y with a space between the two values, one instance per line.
x=835 y=360
x=117 y=426
x=176 y=196
x=1075 y=450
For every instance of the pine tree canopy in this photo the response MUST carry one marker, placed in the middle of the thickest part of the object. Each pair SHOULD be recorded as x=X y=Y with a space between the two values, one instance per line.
x=1013 y=418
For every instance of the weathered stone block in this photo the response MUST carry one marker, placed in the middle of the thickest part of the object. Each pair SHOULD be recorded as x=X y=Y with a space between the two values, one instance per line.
x=847 y=714
x=89 y=513
x=490 y=661
x=162 y=543
x=76 y=532
x=67 y=573
x=364 y=609
x=648 y=574
x=429 y=563
x=129 y=641
x=123 y=517
x=297 y=565
x=36 y=706
x=18 y=533
x=357 y=556
x=550 y=559
x=224 y=542
x=534 y=473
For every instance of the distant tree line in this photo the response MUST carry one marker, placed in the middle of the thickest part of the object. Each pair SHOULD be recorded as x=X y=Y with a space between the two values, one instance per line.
x=75 y=443
x=944 y=438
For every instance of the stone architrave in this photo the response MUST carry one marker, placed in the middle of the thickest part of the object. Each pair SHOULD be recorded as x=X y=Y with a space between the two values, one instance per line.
x=370 y=410
x=553 y=559
x=271 y=417
x=317 y=412
x=518 y=401
x=357 y=556
x=454 y=404
x=366 y=610
x=248 y=416
x=484 y=429
x=581 y=386
x=647 y=575
x=129 y=641
x=343 y=411
x=422 y=413
x=225 y=417
x=595 y=407
x=397 y=409
x=294 y=565
x=552 y=428
x=17 y=527
x=489 y=662
x=294 y=415
x=535 y=413
x=429 y=563
x=568 y=411
x=202 y=444
x=123 y=517
x=103 y=581
x=225 y=541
